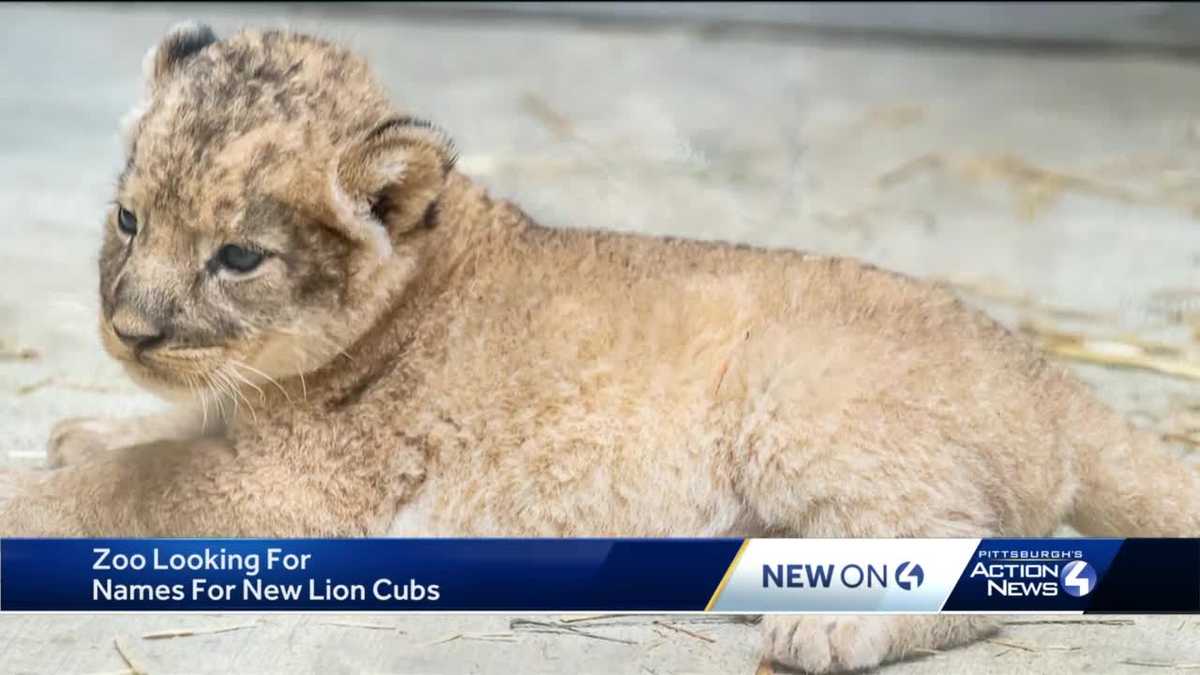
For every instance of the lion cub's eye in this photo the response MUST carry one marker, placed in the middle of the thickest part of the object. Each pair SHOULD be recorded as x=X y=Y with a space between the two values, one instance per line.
x=239 y=259
x=126 y=221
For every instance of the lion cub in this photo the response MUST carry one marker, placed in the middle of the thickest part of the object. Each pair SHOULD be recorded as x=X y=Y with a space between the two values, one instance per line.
x=362 y=342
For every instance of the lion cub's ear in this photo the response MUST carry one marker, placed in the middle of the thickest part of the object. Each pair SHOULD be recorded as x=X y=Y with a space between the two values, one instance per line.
x=180 y=43
x=386 y=182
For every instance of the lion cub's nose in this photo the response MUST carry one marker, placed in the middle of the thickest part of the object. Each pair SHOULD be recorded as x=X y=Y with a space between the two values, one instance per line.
x=135 y=331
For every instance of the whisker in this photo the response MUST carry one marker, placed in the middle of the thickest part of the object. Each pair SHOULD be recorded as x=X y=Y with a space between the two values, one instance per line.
x=239 y=364
x=303 y=384
x=203 y=400
x=262 y=397
x=191 y=385
x=238 y=393
x=219 y=396
x=197 y=388
x=219 y=377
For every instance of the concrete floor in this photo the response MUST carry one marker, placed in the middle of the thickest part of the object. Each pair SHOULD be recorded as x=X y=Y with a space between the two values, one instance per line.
x=1035 y=180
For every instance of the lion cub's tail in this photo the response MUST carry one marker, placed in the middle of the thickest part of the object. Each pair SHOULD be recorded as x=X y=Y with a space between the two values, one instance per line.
x=1131 y=484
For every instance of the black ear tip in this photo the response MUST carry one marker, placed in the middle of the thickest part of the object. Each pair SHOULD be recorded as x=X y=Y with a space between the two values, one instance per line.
x=188 y=38
x=203 y=35
x=181 y=43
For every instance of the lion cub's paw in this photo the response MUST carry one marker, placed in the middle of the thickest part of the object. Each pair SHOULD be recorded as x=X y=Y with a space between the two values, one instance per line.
x=76 y=439
x=10 y=484
x=826 y=644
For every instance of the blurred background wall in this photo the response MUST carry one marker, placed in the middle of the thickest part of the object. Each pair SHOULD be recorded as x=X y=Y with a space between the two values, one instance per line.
x=1134 y=24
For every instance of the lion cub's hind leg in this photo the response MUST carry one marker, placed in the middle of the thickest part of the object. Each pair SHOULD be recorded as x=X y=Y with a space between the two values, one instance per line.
x=792 y=506
x=830 y=644
x=839 y=643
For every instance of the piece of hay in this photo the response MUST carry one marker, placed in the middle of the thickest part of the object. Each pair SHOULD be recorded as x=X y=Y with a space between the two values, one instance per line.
x=896 y=116
x=134 y=663
x=543 y=112
x=66 y=384
x=1070 y=622
x=360 y=624
x=592 y=617
x=621 y=619
x=485 y=637
x=1038 y=187
x=30 y=388
x=491 y=637
x=1162 y=664
x=189 y=632
x=26 y=354
x=906 y=170
x=1013 y=645
x=685 y=631
x=992 y=289
x=560 y=628
x=442 y=641
x=1188 y=439
x=1121 y=353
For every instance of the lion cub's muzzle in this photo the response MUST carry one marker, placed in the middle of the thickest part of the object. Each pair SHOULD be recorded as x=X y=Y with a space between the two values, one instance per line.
x=136 y=332
x=140 y=319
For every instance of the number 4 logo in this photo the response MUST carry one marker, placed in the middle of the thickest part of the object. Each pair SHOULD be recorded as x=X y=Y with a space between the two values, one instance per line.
x=1078 y=578
x=909 y=575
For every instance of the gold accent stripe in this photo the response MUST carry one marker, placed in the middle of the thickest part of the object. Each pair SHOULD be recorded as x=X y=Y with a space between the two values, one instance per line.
x=728 y=573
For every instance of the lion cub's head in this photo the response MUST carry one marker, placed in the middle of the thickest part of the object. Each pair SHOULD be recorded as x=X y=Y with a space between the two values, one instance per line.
x=271 y=201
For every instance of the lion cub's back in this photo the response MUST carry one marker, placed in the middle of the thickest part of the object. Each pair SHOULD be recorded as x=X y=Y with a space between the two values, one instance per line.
x=632 y=318
x=603 y=366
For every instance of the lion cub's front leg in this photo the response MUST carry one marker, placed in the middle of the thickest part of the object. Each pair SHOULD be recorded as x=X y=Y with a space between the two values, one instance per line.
x=199 y=487
x=153 y=489
x=79 y=439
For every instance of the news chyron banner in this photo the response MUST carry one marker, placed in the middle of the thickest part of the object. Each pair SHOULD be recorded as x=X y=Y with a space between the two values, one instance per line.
x=607 y=575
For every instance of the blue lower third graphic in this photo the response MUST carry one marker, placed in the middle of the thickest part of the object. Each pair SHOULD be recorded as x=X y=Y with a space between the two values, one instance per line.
x=756 y=576
x=403 y=575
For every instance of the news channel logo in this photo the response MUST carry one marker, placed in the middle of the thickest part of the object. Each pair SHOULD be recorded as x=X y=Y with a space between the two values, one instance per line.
x=907 y=576
x=845 y=575
x=1044 y=574
x=1077 y=578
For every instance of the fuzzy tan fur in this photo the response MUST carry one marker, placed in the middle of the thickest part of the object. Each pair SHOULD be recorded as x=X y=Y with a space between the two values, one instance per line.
x=418 y=359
